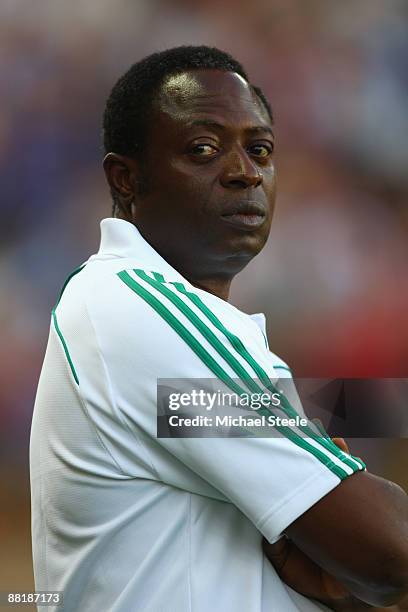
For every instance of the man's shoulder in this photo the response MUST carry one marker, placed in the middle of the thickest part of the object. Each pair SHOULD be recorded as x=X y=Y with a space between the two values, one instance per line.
x=123 y=303
x=101 y=293
x=116 y=291
x=102 y=280
x=105 y=312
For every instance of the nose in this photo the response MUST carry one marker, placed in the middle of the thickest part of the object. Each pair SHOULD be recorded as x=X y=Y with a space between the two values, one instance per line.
x=240 y=171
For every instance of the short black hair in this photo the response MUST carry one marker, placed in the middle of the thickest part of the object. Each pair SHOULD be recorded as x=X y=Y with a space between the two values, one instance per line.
x=130 y=101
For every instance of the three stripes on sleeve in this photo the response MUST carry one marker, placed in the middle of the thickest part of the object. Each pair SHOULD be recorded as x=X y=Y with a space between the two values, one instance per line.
x=197 y=325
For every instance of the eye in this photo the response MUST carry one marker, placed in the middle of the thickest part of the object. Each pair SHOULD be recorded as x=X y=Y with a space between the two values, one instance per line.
x=262 y=150
x=203 y=149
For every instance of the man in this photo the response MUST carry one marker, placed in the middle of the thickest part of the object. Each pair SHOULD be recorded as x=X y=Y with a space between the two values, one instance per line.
x=124 y=520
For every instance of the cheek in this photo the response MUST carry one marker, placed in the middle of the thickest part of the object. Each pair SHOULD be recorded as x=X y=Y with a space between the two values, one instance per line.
x=270 y=188
x=192 y=183
x=180 y=194
x=269 y=175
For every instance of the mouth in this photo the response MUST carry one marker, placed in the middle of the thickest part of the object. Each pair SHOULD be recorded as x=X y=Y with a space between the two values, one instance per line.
x=245 y=215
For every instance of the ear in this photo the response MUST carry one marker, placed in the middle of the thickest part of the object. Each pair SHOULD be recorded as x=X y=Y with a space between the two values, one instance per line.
x=122 y=175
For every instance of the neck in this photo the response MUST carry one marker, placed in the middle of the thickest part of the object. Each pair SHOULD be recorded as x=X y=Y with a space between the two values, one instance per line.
x=217 y=286
x=215 y=283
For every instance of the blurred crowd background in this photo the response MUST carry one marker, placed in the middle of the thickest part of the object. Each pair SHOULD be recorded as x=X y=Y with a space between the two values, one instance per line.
x=333 y=278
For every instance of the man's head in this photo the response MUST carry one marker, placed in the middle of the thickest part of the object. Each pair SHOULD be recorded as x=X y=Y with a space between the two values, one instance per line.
x=188 y=143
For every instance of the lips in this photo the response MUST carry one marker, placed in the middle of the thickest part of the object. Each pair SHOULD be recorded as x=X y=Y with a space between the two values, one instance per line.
x=247 y=215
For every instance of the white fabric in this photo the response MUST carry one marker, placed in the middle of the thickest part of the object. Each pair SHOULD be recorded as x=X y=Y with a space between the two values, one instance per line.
x=126 y=522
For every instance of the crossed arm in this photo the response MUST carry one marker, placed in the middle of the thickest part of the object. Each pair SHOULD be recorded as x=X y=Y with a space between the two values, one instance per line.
x=350 y=550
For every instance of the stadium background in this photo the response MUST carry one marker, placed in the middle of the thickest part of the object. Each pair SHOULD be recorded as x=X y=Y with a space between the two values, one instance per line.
x=333 y=278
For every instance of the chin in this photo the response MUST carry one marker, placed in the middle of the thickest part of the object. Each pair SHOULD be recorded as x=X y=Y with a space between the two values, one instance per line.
x=246 y=245
x=241 y=250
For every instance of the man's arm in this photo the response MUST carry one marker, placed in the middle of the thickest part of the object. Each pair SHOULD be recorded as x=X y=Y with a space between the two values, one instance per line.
x=304 y=575
x=359 y=534
x=349 y=545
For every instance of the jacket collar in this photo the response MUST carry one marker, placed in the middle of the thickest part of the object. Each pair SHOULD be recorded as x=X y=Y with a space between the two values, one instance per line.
x=121 y=239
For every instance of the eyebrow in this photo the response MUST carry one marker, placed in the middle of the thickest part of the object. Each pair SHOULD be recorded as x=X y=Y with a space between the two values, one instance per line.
x=219 y=126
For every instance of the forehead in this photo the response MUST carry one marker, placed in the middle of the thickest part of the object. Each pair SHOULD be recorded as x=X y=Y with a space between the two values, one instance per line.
x=210 y=92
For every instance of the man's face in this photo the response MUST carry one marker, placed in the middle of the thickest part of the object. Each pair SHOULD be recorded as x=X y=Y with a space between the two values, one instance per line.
x=208 y=202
